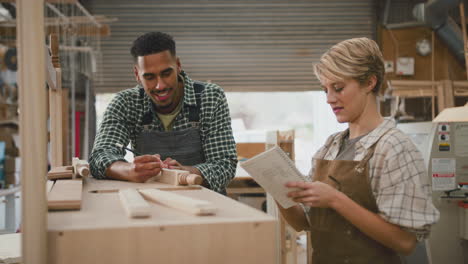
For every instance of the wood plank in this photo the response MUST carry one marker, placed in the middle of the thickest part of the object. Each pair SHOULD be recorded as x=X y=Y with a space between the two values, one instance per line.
x=48 y=1
x=173 y=188
x=465 y=42
x=181 y=202
x=60 y=172
x=81 y=30
x=134 y=204
x=10 y=248
x=33 y=132
x=65 y=195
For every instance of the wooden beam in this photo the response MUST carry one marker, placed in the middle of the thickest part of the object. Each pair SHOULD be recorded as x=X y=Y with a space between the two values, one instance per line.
x=463 y=24
x=33 y=132
x=411 y=89
x=180 y=202
x=65 y=195
x=80 y=30
x=48 y=1
x=460 y=88
x=134 y=204
x=60 y=172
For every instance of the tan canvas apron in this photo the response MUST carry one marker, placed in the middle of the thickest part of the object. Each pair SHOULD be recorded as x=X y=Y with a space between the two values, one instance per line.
x=334 y=239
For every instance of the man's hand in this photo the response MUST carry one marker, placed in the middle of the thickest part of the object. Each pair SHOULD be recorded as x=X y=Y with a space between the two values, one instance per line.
x=142 y=168
x=172 y=164
x=145 y=167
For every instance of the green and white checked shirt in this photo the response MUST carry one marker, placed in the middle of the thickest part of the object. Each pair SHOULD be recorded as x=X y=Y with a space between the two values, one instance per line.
x=122 y=124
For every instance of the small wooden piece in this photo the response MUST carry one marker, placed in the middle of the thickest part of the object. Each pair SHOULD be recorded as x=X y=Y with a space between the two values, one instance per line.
x=10 y=248
x=49 y=186
x=134 y=204
x=178 y=177
x=80 y=167
x=65 y=195
x=60 y=172
x=181 y=202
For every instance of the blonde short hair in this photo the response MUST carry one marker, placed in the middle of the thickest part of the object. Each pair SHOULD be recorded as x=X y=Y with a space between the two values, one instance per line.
x=356 y=58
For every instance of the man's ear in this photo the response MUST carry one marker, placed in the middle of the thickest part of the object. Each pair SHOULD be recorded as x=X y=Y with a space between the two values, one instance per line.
x=179 y=65
x=135 y=71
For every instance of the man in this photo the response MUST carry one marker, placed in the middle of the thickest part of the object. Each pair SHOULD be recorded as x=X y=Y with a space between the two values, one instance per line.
x=170 y=120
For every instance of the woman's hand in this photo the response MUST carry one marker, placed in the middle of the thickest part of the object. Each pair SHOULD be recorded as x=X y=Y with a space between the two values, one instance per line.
x=313 y=194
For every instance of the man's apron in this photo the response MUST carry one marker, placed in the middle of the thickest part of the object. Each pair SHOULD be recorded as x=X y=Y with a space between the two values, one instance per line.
x=334 y=239
x=185 y=146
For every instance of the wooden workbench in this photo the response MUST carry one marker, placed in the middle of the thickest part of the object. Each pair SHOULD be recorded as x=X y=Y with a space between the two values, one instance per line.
x=102 y=233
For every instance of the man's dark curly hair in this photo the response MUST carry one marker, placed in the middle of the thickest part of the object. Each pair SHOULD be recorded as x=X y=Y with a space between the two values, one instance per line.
x=151 y=43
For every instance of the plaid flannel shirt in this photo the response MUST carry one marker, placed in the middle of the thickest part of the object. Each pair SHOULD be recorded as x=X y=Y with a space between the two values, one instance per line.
x=398 y=177
x=122 y=123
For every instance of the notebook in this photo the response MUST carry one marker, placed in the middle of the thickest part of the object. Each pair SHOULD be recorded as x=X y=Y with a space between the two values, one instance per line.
x=271 y=170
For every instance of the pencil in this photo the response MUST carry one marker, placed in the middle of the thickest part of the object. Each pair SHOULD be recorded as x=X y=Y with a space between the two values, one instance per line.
x=129 y=149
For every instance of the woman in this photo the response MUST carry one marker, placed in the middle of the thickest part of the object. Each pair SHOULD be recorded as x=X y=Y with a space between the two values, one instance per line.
x=369 y=200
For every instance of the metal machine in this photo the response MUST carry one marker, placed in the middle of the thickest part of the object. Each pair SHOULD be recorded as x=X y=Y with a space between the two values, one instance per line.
x=448 y=172
x=444 y=145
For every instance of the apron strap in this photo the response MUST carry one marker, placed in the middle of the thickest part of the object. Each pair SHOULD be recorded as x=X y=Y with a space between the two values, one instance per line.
x=194 y=111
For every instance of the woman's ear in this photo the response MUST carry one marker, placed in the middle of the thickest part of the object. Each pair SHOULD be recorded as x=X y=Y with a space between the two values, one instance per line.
x=371 y=83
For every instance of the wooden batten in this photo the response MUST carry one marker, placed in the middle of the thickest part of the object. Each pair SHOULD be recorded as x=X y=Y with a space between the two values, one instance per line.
x=33 y=132
x=48 y=1
x=80 y=30
x=134 y=204
x=65 y=195
x=180 y=202
x=60 y=172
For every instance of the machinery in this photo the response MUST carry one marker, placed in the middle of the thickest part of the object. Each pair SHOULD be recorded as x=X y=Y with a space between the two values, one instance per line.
x=444 y=145
x=448 y=172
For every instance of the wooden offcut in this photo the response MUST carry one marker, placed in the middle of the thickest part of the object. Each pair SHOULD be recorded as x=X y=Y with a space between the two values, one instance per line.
x=80 y=167
x=177 y=177
x=60 y=172
x=134 y=204
x=65 y=195
x=181 y=202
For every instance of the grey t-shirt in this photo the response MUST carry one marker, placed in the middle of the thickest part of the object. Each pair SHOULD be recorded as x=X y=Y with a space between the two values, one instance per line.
x=347 y=148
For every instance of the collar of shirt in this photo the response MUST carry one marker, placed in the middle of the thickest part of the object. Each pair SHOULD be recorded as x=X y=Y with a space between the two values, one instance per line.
x=365 y=142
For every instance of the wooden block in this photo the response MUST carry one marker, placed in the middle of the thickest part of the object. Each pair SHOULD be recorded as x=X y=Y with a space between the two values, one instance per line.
x=177 y=177
x=80 y=167
x=171 y=176
x=65 y=195
x=190 y=179
x=61 y=172
x=134 y=204
x=181 y=202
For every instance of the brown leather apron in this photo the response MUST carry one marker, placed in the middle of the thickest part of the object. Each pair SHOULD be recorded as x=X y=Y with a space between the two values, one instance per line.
x=334 y=239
